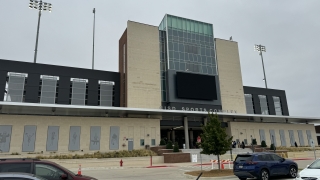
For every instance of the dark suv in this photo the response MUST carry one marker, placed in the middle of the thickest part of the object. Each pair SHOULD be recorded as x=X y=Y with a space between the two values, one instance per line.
x=263 y=165
x=46 y=169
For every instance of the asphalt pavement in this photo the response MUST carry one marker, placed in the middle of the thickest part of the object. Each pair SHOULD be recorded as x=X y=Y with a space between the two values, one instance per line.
x=173 y=172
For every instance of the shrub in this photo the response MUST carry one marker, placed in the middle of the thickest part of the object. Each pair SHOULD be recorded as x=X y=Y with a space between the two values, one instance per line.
x=176 y=147
x=162 y=142
x=114 y=154
x=169 y=145
x=15 y=153
x=254 y=142
x=272 y=147
x=263 y=144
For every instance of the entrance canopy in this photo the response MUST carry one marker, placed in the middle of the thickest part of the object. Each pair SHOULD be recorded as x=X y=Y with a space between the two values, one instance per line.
x=98 y=111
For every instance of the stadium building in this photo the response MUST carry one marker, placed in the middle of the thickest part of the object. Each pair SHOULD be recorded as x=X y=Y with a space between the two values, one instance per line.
x=170 y=76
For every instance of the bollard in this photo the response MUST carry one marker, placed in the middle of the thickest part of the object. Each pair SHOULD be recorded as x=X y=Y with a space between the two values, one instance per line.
x=151 y=161
x=121 y=163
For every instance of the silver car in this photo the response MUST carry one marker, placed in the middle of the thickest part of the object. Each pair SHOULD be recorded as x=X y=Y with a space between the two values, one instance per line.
x=18 y=175
x=311 y=172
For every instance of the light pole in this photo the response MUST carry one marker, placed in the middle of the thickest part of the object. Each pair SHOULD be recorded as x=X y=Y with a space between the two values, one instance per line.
x=261 y=49
x=94 y=25
x=40 y=6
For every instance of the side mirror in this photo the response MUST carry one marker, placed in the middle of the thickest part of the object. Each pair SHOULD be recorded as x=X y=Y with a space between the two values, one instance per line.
x=308 y=166
x=283 y=159
x=64 y=176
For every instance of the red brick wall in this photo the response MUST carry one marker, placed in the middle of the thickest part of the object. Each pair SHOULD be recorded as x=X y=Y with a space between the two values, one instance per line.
x=176 y=157
x=123 y=76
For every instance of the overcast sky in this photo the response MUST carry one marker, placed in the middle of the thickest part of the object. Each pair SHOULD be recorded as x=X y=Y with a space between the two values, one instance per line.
x=288 y=28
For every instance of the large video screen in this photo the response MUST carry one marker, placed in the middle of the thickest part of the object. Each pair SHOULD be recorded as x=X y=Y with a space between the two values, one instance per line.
x=196 y=86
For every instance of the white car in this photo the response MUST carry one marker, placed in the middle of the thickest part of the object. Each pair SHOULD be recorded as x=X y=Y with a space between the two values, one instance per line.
x=18 y=175
x=311 y=172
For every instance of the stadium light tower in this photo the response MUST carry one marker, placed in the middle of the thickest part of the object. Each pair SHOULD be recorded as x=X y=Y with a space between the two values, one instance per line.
x=261 y=49
x=40 y=6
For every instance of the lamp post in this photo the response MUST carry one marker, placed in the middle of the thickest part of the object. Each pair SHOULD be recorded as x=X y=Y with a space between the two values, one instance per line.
x=261 y=49
x=94 y=26
x=40 y=6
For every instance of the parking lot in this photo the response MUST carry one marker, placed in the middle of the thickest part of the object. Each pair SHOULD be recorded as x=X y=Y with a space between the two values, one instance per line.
x=174 y=173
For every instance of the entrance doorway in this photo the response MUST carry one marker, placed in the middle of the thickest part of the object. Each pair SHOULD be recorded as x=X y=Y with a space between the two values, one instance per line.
x=178 y=135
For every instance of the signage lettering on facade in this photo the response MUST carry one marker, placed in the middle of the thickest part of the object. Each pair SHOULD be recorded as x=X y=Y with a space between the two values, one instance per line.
x=198 y=109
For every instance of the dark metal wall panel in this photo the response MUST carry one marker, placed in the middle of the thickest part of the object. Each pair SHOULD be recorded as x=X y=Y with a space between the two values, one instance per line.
x=32 y=88
x=171 y=123
x=256 y=103
x=317 y=129
x=194 y=124
x=284 y=105
x=272 y=109
x=64 y=90
x=64 y=73
x=255 y=91
x=93 y=90
x=3 y=77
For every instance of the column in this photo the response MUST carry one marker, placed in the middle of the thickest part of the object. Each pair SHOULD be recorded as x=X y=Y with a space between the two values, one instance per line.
x=205 y=121
x=168 y=135
x=191 y=138
x=186 y=133
x=173 y=136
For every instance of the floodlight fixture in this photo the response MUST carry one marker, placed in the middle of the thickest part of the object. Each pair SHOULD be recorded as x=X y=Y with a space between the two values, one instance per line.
x=40 y=6
x=260 y=48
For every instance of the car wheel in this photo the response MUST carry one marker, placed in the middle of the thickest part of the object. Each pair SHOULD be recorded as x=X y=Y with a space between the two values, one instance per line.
x=264 y=175
x=293 y=172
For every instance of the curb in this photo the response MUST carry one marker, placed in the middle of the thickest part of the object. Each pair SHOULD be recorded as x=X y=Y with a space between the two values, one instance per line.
x=159 y=166
x=301 y=159
x=216 y=178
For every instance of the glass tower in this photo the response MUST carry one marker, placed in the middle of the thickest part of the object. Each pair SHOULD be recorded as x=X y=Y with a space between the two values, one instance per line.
x=185 y=45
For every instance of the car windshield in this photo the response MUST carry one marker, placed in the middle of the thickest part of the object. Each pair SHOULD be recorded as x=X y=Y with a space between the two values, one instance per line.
x=243 y=158
x=315 y=165
x=65 y=169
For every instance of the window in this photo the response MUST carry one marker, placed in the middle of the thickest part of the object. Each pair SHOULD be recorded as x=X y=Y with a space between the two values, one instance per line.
x=186 y=47
x=141 y=142
x=249 y=103
x=265 y=157
x=106 y=93
x=16 y=167
x=15 y=87
x=48 y=171
x=48 y=89
x=276 y=157
x=79 y=87
x=277 y=105
x=264 y=104
x=153 y=142
x=243 y=158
